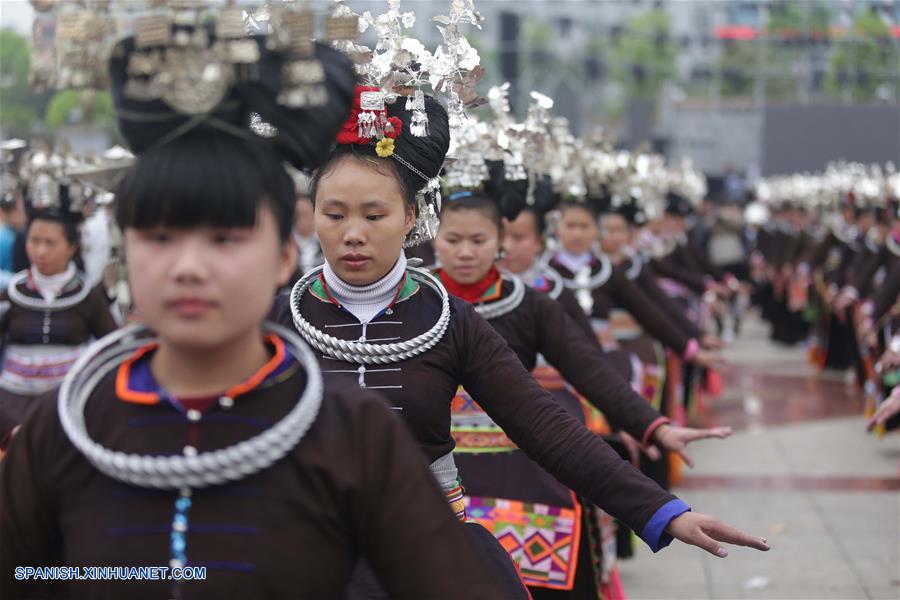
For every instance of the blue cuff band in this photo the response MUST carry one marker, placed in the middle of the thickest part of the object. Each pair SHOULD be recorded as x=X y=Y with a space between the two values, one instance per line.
x=654 y=534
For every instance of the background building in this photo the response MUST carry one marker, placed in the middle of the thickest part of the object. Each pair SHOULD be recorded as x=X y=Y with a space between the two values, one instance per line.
x=731 y=83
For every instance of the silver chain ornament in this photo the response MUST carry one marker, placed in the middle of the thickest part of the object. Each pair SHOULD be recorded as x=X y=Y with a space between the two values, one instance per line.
x=364 y=353
x=503 y=306
x=177 y=472
x=20 y=299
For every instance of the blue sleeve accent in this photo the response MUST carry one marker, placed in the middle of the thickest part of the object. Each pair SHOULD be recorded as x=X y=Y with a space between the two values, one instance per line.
x=7 y=241
x=654 y=533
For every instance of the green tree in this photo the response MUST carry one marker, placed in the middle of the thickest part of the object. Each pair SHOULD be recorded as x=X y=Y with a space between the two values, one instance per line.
x=737 y=62
x=78 y=106
x=18 y=112
x=787 y=19
x=792 y=25
x=867 y=61
x=643 y=56
x=538 y=40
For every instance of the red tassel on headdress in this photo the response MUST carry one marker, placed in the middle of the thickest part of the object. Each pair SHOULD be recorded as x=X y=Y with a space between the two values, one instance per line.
x=368 y=120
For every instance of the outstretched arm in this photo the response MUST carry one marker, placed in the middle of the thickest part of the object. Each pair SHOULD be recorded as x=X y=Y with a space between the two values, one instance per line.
x=494 y=377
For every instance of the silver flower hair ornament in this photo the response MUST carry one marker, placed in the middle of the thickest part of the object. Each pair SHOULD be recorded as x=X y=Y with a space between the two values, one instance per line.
x=401 y=69
x=401 y=65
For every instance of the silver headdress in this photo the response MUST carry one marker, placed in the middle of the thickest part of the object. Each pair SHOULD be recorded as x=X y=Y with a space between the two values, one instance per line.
x=401 y=68
x=175 y=60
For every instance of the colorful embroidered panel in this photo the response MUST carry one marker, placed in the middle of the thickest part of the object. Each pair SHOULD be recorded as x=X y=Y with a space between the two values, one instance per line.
x=541 y=539
x=473 y=430
x=603 y=529
x=652 y=359
x=549 y=378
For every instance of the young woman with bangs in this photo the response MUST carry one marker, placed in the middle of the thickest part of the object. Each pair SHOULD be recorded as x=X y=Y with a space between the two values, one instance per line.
x=384 y=325
x=206 y=437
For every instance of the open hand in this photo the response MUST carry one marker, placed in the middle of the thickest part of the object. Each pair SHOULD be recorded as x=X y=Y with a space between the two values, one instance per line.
x=635 y=448
x=676 y=439
x=888 y=409
x=706 y=532
x=710 y=360
x=842 y=302
x=711 y=342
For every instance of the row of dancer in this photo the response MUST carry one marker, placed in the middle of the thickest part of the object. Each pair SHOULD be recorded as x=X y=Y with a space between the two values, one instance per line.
x=206 y=436
x=827 y=273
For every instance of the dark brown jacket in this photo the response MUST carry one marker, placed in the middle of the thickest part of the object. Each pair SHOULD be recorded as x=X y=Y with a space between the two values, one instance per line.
x=70 y=327
x=354 y=485
x=540 y=326
x=620 y=292
x=471 y=354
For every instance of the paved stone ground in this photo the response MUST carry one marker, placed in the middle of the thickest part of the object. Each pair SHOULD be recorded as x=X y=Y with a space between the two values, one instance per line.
x=799 y=470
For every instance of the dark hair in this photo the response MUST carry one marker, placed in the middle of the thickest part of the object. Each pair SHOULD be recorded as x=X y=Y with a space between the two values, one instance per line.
x=302 y=134
x=69 y=225
x=510 y=196
x=206 y=178
x=386 y=166
x=588 y=207
x=677 y=205
x=540 y=221
x=426 y=154
x=474 y=201
x=7 y=205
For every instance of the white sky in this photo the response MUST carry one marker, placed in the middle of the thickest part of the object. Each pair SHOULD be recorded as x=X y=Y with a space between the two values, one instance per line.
x=16 y=14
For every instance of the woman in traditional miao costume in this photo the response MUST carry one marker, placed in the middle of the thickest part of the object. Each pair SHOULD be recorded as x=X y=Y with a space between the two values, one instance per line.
x=617 y=221
x=385 y=325
x=49 y=313
x=205 y=437
x=880 y=332
x=523 y=246
x=692 y=282
x=865 y=273
x=601 y=288
x=828 y=263
x=536 y=518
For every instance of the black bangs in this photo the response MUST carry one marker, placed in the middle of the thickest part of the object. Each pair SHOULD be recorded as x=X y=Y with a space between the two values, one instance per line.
x=590 y=207
x=206 y=179
x=474 y=201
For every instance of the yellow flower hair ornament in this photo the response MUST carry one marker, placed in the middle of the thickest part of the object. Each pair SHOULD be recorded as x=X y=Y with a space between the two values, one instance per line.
x=385 y=147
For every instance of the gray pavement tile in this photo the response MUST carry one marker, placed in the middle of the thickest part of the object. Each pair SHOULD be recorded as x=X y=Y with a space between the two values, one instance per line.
x=653 y=576
x=675 y=591
x=744 y=453
x=885 y=593
x=838 y=447
x=861 y=513
x=826 y=544
x=760 y=513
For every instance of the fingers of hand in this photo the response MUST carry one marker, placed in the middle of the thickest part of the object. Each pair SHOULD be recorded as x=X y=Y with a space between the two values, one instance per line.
x=715 y=432
x=686 y=458
x=710 y=545
x=725 y=533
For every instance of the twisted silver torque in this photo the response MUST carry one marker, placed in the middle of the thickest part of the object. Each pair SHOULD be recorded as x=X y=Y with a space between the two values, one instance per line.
x=492 y=310
x=596 y=280
x=363 y=353
x=28 y=302
x=175 y=472
x=892 y=245
x=637 y=263
x=558 y=284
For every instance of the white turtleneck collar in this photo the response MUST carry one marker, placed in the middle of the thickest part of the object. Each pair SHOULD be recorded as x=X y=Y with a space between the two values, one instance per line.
x=574 y=262
x=366 y=301
x=51 y=286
